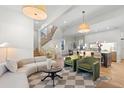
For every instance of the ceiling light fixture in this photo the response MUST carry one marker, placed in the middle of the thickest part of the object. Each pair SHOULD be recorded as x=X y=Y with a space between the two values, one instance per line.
x=84 y=27
x=65 y=22
x=37 y=12
x=108 y=28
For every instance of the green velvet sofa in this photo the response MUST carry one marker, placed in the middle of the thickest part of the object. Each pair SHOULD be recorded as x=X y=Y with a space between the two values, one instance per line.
x=89 y=64
x=71 y=61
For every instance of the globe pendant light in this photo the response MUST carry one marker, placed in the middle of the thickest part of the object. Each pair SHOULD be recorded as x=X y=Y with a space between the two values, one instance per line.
x=84 y=27
x=36 y=12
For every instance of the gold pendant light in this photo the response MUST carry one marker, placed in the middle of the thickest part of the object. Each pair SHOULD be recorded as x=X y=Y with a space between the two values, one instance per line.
x=36 y=12
x=84 y=27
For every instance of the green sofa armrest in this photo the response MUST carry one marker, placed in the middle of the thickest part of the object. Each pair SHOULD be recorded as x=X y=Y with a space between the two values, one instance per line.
x=96 y=70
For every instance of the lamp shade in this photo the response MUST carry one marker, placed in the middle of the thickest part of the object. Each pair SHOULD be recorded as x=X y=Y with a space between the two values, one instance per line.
x=37 y=12
x=4 y=45
x=84 y=28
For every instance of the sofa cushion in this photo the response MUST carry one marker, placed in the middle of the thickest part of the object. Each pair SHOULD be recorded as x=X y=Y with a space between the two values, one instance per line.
x=40 y=59
x=23 y=62
x=40 y=65
x=28 y=69
x=14 y=80
x=67 y=58
x=11 y=65
x=3 y=68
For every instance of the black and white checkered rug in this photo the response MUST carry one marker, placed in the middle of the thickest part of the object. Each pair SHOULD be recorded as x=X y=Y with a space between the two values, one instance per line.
x=70 y=80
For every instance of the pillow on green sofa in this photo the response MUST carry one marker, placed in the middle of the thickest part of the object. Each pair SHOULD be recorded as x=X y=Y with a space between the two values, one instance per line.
x=67 y=58
x=73 y=57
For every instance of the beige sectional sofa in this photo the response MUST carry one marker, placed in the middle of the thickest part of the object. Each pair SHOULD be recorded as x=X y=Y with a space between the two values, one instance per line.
x=25 y=68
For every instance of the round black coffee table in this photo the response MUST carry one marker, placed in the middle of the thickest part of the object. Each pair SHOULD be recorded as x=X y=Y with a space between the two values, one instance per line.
x=52 y=73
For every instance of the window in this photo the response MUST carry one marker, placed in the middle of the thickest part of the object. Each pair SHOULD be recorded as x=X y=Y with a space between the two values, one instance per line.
x=62 y=44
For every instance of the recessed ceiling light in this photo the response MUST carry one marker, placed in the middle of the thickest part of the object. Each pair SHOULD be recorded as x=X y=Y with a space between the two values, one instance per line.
x=65 y=22
x=108 y=27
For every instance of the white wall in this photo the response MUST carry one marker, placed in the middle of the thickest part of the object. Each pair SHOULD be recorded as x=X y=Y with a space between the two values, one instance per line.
x=35 y=39
x=108 y=36
x=17 y=30
x=122 y=42
x=68 y=43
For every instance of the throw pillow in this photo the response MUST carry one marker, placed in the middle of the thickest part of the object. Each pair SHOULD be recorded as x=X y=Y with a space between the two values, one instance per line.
x=2 y=69
x=11 y=66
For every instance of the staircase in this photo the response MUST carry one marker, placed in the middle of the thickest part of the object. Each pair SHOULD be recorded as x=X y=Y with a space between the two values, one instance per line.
x=44 y=40
x=36 y=52
x=48 y=37
x=39 y=53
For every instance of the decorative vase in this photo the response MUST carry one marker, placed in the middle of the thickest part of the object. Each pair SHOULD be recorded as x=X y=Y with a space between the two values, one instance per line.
x=49 y=64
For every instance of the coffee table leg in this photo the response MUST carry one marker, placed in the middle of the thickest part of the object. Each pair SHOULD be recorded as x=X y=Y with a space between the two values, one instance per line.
x=46 y=77
x=53 y=76
x=59 y=76
x=53 y=83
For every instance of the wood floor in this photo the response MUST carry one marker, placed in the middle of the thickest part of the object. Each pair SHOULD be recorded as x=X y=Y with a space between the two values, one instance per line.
x=116 y=74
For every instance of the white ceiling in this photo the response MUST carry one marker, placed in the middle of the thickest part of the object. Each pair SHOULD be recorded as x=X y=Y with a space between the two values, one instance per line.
x=99 y=17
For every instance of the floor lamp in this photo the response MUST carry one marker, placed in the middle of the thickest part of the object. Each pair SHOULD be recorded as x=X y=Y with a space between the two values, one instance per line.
x=5 y=45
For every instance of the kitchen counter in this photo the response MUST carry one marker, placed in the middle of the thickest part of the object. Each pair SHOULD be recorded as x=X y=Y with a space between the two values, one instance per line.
x=106 y=58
